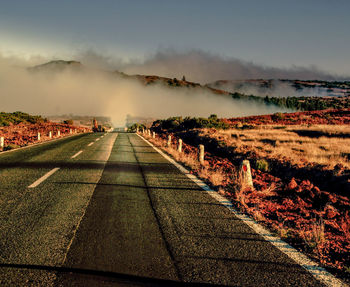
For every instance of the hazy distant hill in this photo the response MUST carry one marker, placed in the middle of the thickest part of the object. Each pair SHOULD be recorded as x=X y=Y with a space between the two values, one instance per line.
x=292 y=94
x=57 y=66
x=284 y=87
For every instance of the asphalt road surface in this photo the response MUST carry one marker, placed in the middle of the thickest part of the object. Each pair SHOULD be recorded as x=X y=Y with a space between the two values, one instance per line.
x=111 y=211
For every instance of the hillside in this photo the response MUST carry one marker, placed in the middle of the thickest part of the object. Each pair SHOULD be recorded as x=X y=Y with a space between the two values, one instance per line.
x=57 y=66
x=8 y=119
x=287 y=94
x=284 y=87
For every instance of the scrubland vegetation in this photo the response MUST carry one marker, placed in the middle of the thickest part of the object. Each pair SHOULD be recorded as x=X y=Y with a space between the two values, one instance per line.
x=7 y=119
x=300 y=168
x=21 y=129
x=298 y=103
x=325 y=145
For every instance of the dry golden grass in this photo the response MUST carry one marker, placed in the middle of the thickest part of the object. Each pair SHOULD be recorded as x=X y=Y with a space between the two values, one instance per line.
x=331 y=148
x=315 y=237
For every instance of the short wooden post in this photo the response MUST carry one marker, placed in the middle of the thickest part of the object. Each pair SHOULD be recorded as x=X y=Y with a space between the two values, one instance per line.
x=38 y=136
x=153 y=135
x=246 y=174
x=2 y=142
x=168 y=144
x=201 y=153
x=179 y=146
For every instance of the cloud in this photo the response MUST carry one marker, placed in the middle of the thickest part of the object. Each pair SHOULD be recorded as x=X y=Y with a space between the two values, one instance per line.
x=204 y=67
x=94 y=59
x=90 y=92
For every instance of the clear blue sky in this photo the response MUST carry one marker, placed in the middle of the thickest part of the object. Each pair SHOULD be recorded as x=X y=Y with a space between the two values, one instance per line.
x=277 y=33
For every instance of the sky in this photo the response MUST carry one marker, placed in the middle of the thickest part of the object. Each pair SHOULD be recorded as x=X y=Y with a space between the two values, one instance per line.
x=273 y=33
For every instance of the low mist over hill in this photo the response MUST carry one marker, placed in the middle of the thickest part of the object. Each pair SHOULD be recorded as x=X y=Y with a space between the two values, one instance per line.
x=64 y=87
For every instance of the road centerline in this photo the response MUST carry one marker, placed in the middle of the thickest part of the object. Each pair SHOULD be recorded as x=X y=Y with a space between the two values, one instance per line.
x=78 y=153
x=90 y=144
x=44 y=177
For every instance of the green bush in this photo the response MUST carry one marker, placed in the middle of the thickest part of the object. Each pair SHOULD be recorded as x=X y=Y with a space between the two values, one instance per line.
x=134 y=127
x=188 y=123
x=18 y=117
x=68 y=122
x=262 y=165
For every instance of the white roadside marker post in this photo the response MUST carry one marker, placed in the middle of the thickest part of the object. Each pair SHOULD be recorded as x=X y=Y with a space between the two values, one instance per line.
x=70 y=131
x=246 y=174
x=154 y=135
x=58 y=133
x=50 y=134
x=179 y=147
x=2 y=142
x=38 y=136
x=201 y=154
x=168 y=144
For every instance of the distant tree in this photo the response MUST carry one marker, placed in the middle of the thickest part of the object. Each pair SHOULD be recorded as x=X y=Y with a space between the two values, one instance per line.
x=183 y=78
x=68 y=122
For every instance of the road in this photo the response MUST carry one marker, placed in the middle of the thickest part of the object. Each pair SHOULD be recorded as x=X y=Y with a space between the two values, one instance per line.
x=111 y=211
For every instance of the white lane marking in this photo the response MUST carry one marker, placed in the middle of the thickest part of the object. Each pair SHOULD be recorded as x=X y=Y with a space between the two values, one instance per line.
x=78 y=153
x=87 y=204
x=97 y=139
x=317 y=271
x=90 y=144
x=41 y=179
x=36 y=144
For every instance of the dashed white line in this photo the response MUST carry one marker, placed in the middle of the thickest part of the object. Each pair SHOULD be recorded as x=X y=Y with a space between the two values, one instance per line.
x=85 y=208
x=41 y=179
x=96 y=140
x=78 y=153
x=317 y=271
x=90 y=144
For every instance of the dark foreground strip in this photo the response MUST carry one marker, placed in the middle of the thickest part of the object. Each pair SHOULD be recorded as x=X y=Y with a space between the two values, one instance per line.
x=120 y=277
x=178 y=273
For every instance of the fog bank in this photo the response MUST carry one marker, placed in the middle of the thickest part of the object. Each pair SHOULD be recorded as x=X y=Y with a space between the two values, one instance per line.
x=92 y=92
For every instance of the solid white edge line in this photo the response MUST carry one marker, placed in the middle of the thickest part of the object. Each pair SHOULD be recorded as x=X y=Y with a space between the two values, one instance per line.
x=90 y=144
x=40 y=143
x=317 y=271
x=78 y=153
x=41 y=179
